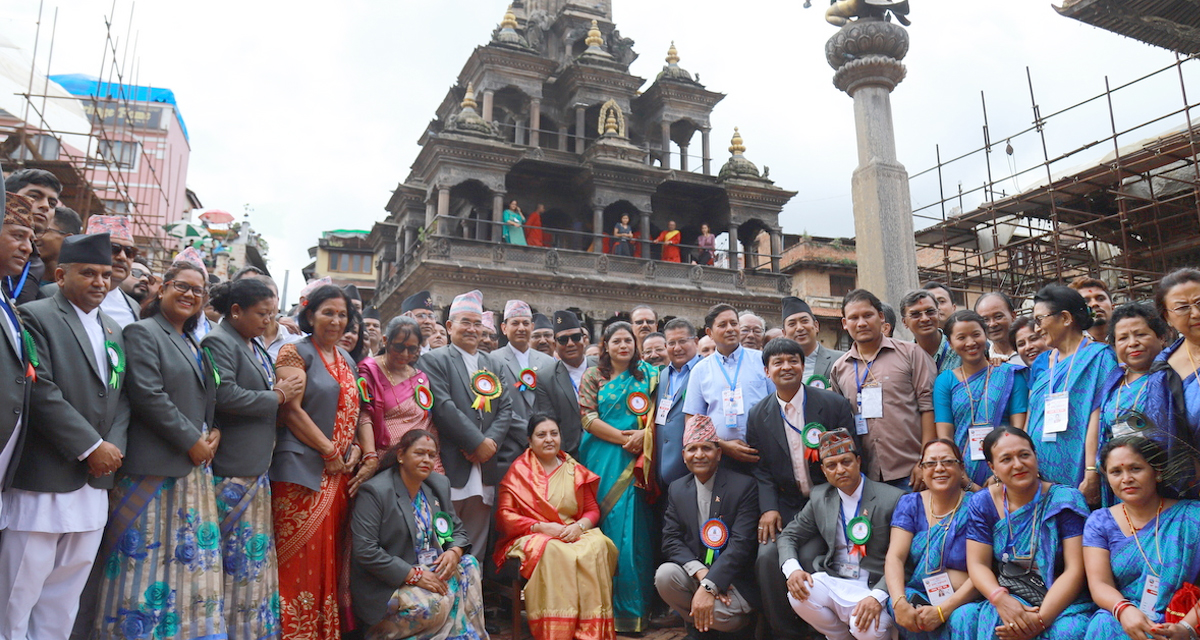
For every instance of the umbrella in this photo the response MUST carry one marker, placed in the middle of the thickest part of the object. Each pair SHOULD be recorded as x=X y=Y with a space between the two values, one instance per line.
x=216 y=216
x=185 y=230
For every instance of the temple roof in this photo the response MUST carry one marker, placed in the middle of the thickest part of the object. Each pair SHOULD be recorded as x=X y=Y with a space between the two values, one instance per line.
x=1170 y=24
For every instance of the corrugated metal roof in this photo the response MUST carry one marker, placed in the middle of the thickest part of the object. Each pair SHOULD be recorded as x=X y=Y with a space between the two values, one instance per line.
x=1170 y=24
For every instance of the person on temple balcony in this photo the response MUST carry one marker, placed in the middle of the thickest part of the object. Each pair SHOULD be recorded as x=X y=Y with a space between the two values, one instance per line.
x=670 y=242
x=533 y=227
x=623 y=237
x=514 y=224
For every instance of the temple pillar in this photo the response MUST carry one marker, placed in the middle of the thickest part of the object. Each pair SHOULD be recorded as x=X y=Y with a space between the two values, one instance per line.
x=776 y=249
x=597 y=329
x=430 y=212
x=443 y=202
x=666 y=145
x=535 y=122
x=580 y=134
x=733 y=246
x=598 y=229
x=519 y=133
x=562 y=138
x=683 y=159
x=497 y=216
x=706 y=160
x=489 y=99
x=645 y=224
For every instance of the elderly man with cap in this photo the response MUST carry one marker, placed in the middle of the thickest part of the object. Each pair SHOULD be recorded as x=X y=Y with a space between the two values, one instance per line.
x=542 y=338
x=473 y=413
x=800 y=324
x=708 y=539
x=844 y=596
x=16 y=233
x=57 y=508
x=419 y=307
x=117 y=305
x=522 y=366
x=16 y=242
x=572 y=345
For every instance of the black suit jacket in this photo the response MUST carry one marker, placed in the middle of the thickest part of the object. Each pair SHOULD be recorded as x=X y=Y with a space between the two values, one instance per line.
x=766 y=432
x=735 y=502
x=382 y=529
x=15 y=388
x=819 y=519
x=556 y=397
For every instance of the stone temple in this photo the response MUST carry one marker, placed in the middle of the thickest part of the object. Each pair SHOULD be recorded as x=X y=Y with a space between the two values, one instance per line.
x=547 y=113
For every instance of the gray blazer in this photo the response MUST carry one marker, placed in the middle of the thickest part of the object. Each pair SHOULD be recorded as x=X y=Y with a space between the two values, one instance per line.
x=820 y=518
x=383 y=529
x=823 y=359
x=294 y=461
x=172 y=396
x=14 y=398
x=72 y=406
x=461 y=428
x=556 y=397
x=246 y=405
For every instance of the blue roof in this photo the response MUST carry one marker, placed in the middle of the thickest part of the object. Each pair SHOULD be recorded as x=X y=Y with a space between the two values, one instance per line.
x=78 y=84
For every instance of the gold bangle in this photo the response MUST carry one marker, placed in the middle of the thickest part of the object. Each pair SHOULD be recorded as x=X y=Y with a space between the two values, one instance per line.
x=1089 y=468
x=941 y=615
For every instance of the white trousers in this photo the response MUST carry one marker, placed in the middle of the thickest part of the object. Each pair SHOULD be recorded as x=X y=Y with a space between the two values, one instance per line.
x=41 y=578
x=832 y=619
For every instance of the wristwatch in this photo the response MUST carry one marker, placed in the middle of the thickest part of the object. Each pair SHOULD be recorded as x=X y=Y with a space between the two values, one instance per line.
x=709 y=586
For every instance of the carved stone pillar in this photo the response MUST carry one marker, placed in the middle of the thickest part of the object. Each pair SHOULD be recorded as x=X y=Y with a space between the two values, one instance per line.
x=497 y=216
x=683 y=159
x=580 y=133
x=666 y=145
x=598 y=229
x=776 y=249
x=646 y=236
x=866 y=55
x=519 y=135
x=489 y=99
x=430 y=212
x=706 y=161
x=443 y=202
x=733 y=247
x=562 y=138
x=535 y=122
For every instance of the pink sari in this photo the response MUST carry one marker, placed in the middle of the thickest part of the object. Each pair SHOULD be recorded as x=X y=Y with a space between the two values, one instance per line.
x=392 y=411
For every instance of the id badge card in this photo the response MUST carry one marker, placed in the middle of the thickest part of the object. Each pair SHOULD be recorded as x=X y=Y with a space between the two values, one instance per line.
x=427 y=557
x=844 y=570
x=1058 y=408
x=1149 y=595
x=731 y=403
x=664 y=407
x=871 y=399
x=938 y=588
x=860 y=424
x=977 y=434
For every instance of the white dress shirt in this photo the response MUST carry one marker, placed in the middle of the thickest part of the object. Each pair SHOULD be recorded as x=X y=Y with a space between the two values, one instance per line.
x=794 y=412
x=576 y=374
x=474 y=486
x=117 y=307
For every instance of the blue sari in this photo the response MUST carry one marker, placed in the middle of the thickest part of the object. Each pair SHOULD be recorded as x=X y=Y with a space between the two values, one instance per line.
x=1142 y=396
x=625 y=515
x=1057 y=506
x=1177 y=530
x=1082 y=376
x=995 y=397
x=931 y=553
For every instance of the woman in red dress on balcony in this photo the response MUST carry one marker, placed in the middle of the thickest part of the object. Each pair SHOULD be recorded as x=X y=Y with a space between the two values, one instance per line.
x=533 y=228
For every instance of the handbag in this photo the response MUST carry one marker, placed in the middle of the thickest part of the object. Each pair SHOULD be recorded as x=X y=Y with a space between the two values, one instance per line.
x=1182 y=602
x=1022 y=581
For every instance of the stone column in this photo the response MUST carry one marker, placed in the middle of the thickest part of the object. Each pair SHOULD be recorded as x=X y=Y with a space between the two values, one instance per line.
x=645 y=224
x=866 y=54
x=580 y=134
x=519 y=133
x=597 y=329
x=497 y=216
x=683 y=159
x=562 y=138
x=598 y=228
x=733 y=246
x=535 y=122
x=706 y=161
x=776 y=249
x=443 y=203
x=430 y=212
x=666 y=145
x=489 y=98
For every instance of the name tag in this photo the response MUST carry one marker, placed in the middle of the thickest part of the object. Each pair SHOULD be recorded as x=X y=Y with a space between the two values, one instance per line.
x=427 y=557
x=860 y=424
x=731 y=402
x=977 y=434
x=1058 y=411
x=1149 y=594
x=938 y=588
x=664 y=407
x=871 y=401
x=846 y=570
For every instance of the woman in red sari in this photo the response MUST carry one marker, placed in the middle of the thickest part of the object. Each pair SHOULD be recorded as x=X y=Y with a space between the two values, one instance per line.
x=547 y=515
x=311 y=469
x=533 y=228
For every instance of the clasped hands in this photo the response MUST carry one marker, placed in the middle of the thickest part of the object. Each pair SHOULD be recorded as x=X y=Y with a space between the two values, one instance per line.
x=865 y=613
x=437 y=580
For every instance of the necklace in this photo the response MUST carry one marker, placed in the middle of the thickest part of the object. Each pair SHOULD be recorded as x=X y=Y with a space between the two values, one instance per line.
x=1157 y=522
x=330 y=367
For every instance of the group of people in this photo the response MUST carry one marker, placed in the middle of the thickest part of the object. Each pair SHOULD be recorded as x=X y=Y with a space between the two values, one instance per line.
x=181 y=461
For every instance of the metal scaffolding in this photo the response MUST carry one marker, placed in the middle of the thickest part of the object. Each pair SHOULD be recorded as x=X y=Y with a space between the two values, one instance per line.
x=1125 y=218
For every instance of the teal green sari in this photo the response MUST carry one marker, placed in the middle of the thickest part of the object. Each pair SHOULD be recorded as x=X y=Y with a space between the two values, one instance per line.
x=625 y=515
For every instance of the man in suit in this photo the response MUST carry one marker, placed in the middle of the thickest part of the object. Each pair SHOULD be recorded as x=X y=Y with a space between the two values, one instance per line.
x=801 y=325
x=787 y=470
x=16 y=237
x=471 y=427
x=57 y=508
x=419 y=307
x=542 y=338
x=572 y=345
x=673 y=381
x=845 y=596
x=708 y=539
x=42 y=189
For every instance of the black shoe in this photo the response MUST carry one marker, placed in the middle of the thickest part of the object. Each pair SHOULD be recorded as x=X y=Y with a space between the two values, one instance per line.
x=665 y=620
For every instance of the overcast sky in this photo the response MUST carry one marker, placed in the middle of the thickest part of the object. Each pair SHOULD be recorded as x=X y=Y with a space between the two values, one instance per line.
x=310 y=113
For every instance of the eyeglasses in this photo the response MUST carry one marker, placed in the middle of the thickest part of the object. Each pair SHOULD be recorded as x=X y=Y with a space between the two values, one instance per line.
x=130 y=252
x=644 y=322
x=422 y=315
x=1037 y=320
x=138 y=273
x=563 y=340
x=396 y=347
x=478 y=326
x=946 y=464
x=1186 y=309
x=183 y=287
x=752 y=330
x=928 y=313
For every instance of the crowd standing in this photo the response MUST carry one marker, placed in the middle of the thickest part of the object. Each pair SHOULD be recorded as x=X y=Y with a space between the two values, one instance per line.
x=180 y=461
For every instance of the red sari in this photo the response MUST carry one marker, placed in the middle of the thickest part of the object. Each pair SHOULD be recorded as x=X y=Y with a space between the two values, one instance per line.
x=533 y=230
x=670 y=243
x=311 y=530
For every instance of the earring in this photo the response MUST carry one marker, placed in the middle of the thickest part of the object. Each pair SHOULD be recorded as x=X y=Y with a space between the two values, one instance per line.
x=235 y=317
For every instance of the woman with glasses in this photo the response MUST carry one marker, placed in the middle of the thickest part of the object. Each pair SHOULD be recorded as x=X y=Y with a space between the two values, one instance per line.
x=1138 y=335
x=1065 y=397
x=1175 y=376
x=161 y=556
x=926 y=568
x=398 y=398
x=615 y=401
x=977 y=396
x=1025 y=548
x=1141 y=550
x=316 y=452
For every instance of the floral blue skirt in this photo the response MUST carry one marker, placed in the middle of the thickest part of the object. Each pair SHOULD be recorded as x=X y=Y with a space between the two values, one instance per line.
x=248 y=558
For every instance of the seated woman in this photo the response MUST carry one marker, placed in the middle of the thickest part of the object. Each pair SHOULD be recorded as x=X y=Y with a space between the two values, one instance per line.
x=546 y=512
x=410 y=575
x=1145 y=540
x=926 y=569
x=1031 y=530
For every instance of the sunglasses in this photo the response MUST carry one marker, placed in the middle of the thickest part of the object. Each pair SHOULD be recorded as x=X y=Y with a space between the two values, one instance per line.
x=396 y=347
x=564 y=340
x=130 y=252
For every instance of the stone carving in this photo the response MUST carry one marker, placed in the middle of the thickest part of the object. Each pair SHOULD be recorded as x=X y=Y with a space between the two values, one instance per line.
x=602 y=263
x=612 y=121
x=867 y=52
x=696 y=273
x=498 y=253
x=536 y=26
x=621 y=48
x=552 y=260
x=649 y=269
x=440 y=247
x=783 y=285
x=841 y=12
x=739 y=279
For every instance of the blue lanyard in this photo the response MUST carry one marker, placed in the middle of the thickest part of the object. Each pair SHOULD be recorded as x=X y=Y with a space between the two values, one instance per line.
x=424 y=524
x=264 y=359
x=857 y=511
x=866 y=374
x=803 y=411
x=737 y=372
x=943 y=352
x=1053 y=362
x=20 y=283
x=1011 y=542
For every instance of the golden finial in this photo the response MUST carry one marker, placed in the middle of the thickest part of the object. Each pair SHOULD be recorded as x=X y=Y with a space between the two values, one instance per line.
x=469 y=99
x=594 y=39
x=672 y=54
x=610 y=123
x=510 y=19
x=735 y=145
